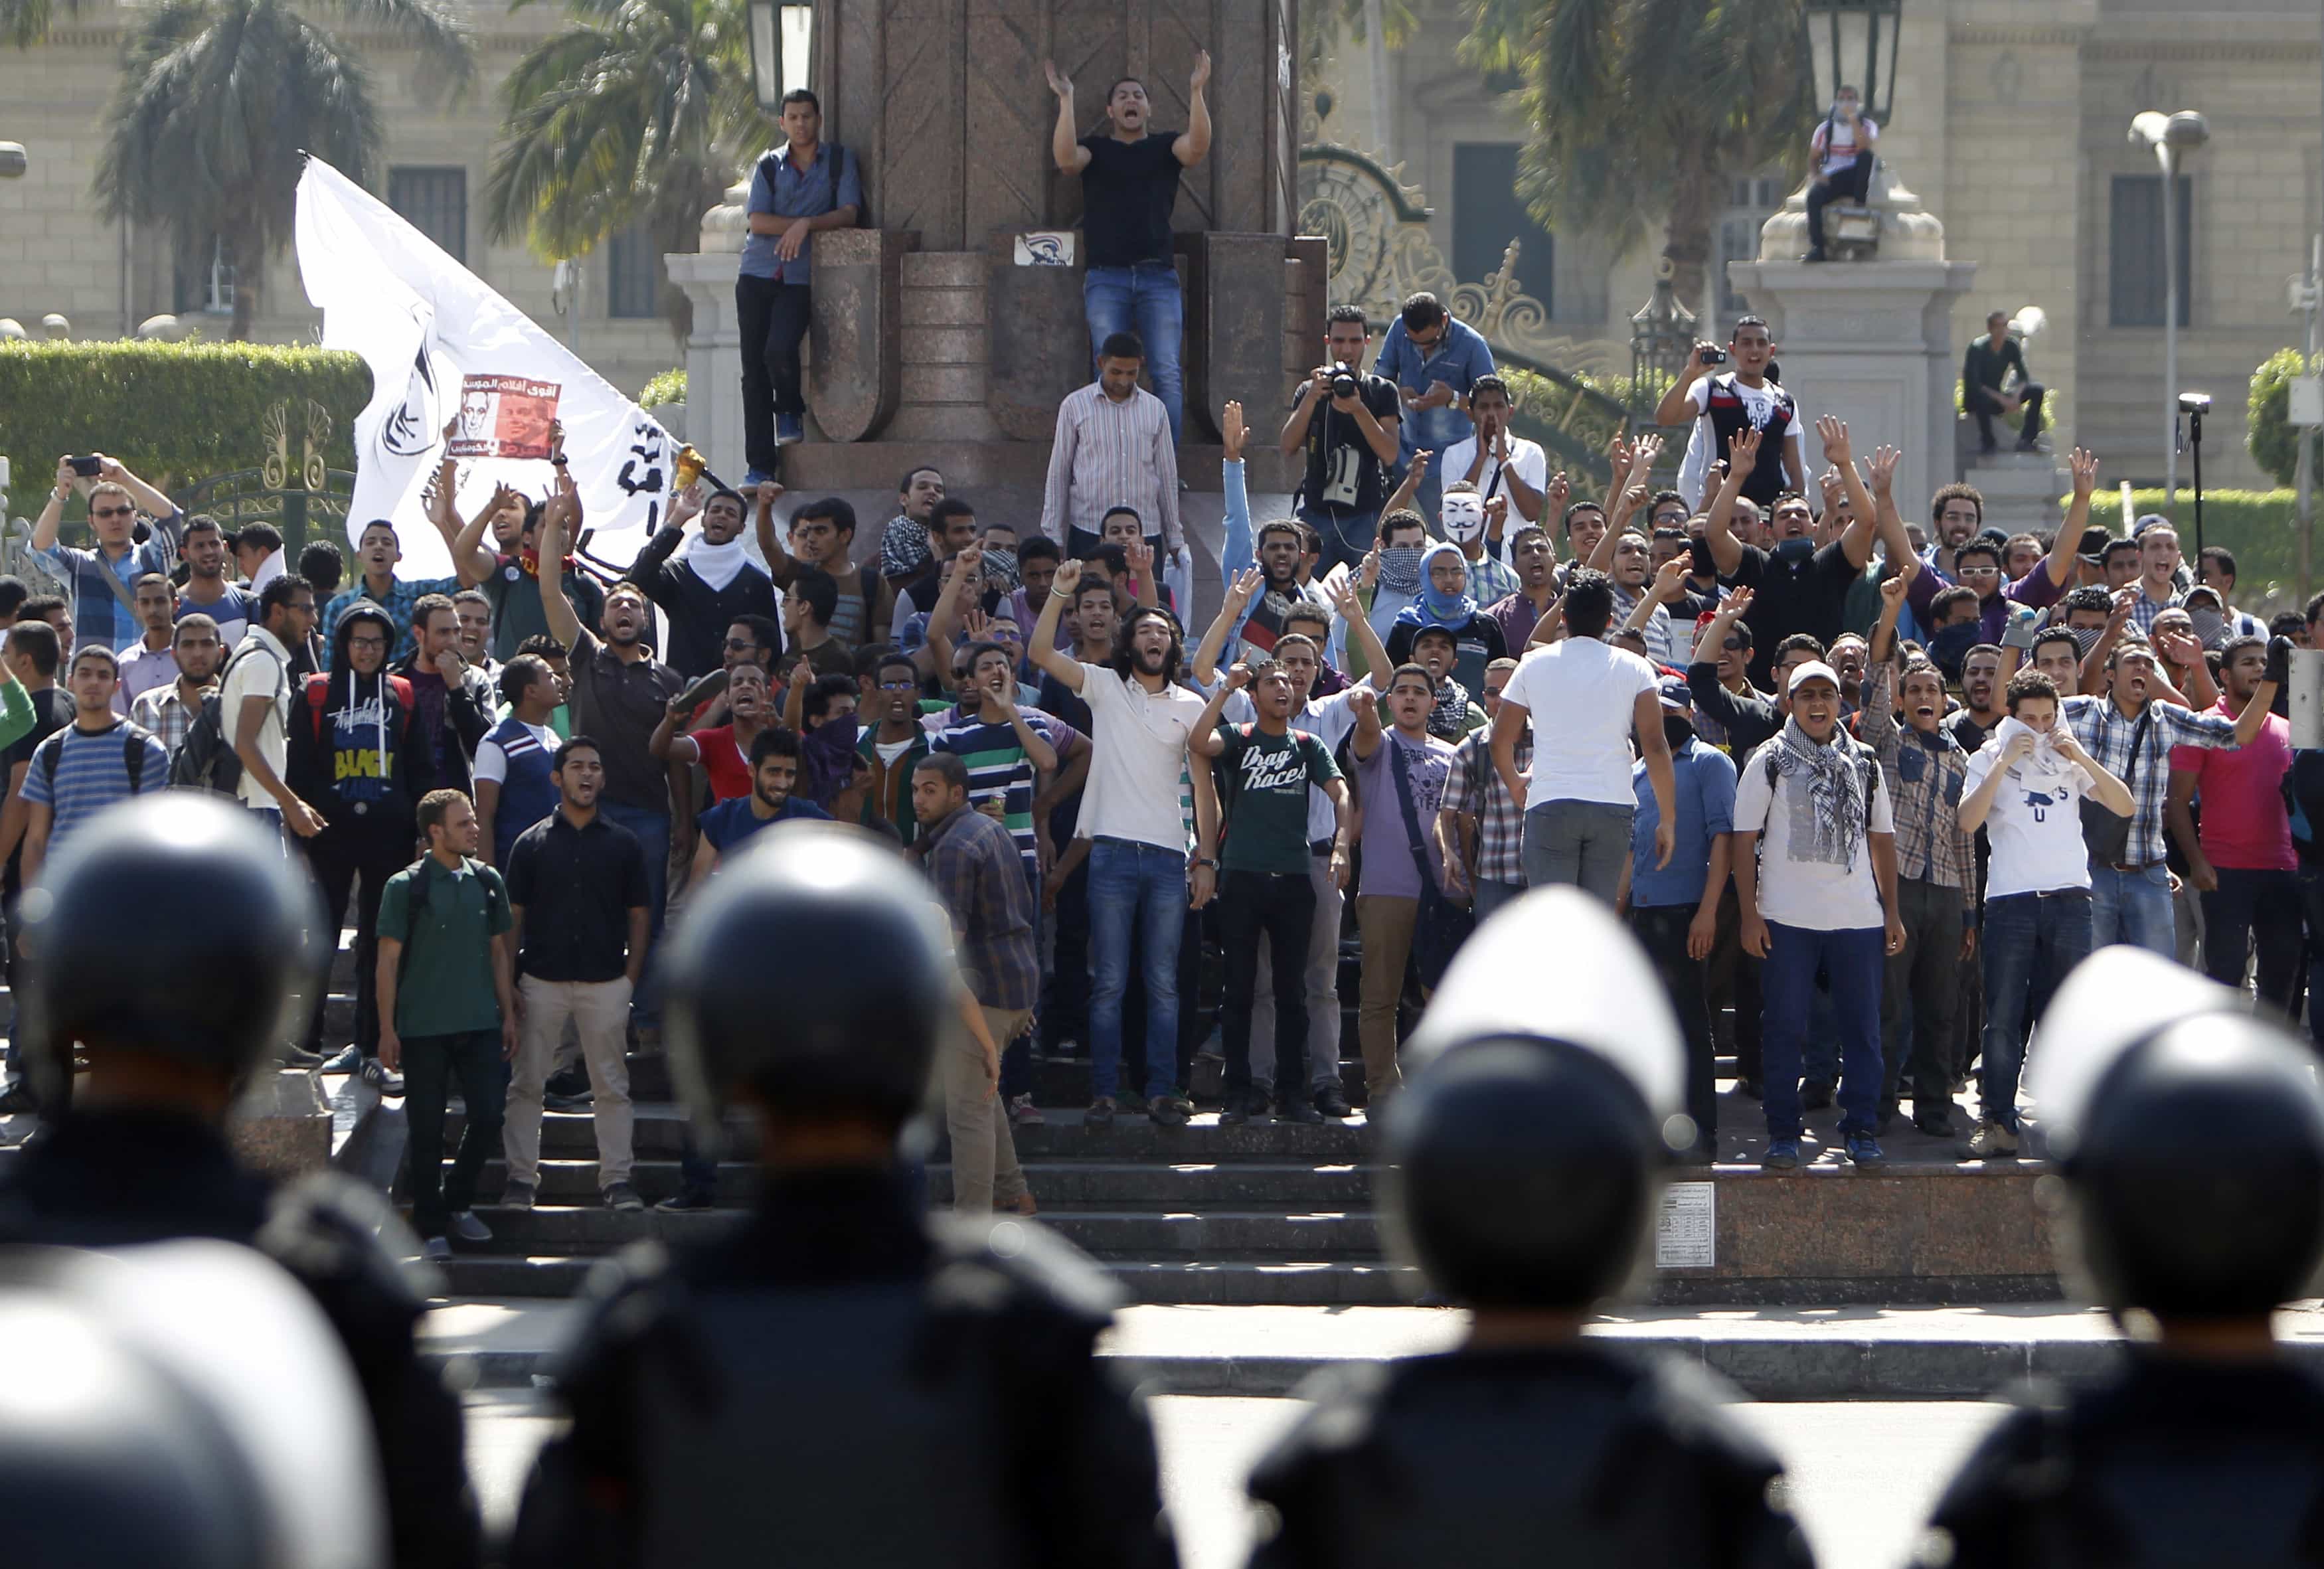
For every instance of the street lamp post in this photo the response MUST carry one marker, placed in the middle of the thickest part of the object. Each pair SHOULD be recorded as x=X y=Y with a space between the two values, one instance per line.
x=1854 y=43
x=781 y=49
x=2171 y=137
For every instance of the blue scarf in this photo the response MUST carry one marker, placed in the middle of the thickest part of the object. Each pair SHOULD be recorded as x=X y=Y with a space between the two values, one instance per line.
x=1451 y=611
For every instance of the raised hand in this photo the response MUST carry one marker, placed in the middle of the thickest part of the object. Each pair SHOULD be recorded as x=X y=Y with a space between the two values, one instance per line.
x=768 y=492
x=1202 y=72
x=1735 y=604
x=1553 y=499
x=1368 y=574
x=2085 y=465
x=1342 y=594
x=1360 y=700
x=1059 y=83
x=1245 y=588
x=1884 y=460
x=1068 y=577
x=1744 y=451
x=1237 y=676
x=1232 y=431
x=1140 y=555
x=1670 y=579
x=1832 y=431
x=1892 y=591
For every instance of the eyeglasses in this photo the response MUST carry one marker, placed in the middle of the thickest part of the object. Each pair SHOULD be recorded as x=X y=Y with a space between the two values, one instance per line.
x=1495 y=691
x=1980 y=571
x=366 y=643
x=899 y=686
x=113 y=512
x=737 y=644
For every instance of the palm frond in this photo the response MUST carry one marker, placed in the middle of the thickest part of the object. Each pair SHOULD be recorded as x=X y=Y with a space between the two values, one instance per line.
x=434 y=27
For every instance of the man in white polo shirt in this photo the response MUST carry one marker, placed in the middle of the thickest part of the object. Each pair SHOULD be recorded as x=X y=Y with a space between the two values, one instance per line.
x=1139 y=881
x=1815 y=874
x=1584 y=699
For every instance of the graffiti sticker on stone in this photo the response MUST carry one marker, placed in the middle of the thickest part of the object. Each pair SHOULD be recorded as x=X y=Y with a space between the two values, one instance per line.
x=1686 y=1231
x=1045 y=248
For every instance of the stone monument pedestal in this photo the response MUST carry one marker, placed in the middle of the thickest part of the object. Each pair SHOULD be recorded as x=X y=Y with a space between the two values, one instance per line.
x=1871 y=342
x=281 y=1125
x=2021 y=489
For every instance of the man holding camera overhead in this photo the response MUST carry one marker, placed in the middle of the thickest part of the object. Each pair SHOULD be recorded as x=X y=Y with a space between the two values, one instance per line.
x=1349 y=422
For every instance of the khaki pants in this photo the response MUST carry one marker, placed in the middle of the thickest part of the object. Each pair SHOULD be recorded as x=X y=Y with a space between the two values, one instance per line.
x=600 y=1012
x=1387 y=921
x=983 y=1153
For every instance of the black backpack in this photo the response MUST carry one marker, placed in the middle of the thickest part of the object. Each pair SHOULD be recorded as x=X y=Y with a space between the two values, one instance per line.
x=133 y=758
x=417 y=906
x=206 y=759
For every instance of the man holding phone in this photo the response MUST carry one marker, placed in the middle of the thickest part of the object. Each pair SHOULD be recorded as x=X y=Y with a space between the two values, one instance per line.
x=104 y=580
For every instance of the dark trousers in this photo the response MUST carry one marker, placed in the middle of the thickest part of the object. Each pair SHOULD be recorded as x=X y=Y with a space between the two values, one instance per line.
x=356 y=855
x=1734 y=980
x=1281 y=908
x=1661 y=930
x=2311 y=903
x=430 y=1064
x=1854 y=958
x=1065 y=1012
x=1983 y=409
x=2031 y=940
x=1848 y=185
x=2255 y=907
x=770 y=320
x=1920 y=997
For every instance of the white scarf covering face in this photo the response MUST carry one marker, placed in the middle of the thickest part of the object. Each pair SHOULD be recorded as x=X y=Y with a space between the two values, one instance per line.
x=716 y=565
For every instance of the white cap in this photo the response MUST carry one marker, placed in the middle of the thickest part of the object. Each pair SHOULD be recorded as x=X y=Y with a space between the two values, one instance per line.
x=1814 y=669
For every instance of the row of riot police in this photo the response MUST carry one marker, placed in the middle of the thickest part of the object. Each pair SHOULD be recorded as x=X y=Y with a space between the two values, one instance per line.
x=209 y=1370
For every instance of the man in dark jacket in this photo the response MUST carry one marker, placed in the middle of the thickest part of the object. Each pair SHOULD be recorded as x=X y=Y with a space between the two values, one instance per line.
x=452 y=702
x=352 y=758
x=706 y=590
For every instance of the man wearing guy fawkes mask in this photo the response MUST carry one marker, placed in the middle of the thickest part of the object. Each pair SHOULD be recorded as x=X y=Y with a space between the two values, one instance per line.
x=1467 y=519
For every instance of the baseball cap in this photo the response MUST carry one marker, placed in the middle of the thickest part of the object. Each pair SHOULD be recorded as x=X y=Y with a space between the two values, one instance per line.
x=1675 y=694
x=2149 y=521
x=1814 y=669
x=2094 y=544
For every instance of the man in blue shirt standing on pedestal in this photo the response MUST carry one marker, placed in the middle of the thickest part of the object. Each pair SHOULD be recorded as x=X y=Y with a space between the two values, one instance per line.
x=1433 y=359
x=803 y=187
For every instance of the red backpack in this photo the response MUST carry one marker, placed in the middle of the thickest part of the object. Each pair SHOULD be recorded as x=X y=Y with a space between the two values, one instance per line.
x=318 y=692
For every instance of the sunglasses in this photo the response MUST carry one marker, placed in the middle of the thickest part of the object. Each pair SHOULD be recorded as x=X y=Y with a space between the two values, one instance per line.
x=1735 y=645
x=113 y=512
x=736 y=644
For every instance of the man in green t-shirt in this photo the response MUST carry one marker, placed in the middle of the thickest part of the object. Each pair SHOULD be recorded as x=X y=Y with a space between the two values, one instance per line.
x=447 y=1009
x=1264 y=769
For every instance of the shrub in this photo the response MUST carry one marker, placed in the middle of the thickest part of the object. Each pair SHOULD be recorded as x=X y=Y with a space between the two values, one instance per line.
x=175 y=413
x=2258 y=525
x=2270 y=434
x=667 y=387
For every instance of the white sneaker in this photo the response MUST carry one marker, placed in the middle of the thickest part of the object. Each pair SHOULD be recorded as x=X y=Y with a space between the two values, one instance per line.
x=1991 y=1139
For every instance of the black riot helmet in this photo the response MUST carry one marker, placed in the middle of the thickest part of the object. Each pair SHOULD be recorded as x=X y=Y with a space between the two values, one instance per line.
x=181 y=1393
x=2149 y=1061
x=1525 y=1159
x=224 y=930
x=869 y=979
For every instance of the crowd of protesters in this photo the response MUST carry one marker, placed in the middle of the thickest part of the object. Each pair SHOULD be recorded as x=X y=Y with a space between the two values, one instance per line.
x=1864 y=786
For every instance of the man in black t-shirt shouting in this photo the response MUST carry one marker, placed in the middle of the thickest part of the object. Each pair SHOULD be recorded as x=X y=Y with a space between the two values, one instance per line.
x=1350 y=442
x=1129 y=182
x=1796 y=587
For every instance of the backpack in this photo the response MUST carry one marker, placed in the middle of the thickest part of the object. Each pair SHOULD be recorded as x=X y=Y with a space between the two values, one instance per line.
x=206 y=759
x=133 y=758
x=319 y=695
x=839 y=160
x=418 y=905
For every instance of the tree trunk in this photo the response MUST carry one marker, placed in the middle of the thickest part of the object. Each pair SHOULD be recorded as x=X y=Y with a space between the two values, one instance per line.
x=1695 y=203
x=246 y=287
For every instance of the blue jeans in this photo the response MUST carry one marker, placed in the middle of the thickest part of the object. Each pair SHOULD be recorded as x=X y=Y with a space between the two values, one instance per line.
x=653 y=829
x=1855 y=959
x=1144 y=300
x=1137 y=904
x=1345 y=538
x=1489 y=896
x=2133 y=907
x=2029 y=939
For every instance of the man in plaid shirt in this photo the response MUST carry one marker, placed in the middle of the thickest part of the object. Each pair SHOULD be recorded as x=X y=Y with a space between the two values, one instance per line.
x=2131 y=733
x=169 y=711
x=104 y=612
x=1480 y=830
x=1674 y=908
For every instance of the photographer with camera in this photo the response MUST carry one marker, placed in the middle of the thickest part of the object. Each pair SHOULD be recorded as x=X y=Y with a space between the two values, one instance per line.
x=104 y=579
x=1721 y=404
x=1349 y=422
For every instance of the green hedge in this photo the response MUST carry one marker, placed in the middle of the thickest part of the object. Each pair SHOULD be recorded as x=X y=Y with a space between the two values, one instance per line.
x=2258 y=525
x=174 y=412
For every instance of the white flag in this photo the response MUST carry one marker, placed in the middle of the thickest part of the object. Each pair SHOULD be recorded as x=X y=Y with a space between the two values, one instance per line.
x=427 y=326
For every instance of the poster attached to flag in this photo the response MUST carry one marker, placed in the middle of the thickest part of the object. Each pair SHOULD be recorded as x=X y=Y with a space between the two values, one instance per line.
x=505 y=417
x=433 y=333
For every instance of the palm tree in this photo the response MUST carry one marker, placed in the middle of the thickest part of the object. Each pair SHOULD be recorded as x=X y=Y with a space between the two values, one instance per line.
x=642 y=111
x=219 y=99
x=25 y=23
x=1648 y=109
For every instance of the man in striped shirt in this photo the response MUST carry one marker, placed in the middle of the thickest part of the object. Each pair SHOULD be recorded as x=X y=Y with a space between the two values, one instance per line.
x=1114 y=448
x=1006 y=749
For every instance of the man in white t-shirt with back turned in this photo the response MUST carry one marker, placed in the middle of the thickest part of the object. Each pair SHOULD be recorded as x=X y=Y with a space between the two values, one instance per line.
x=1139 y=882
x=1584 y=699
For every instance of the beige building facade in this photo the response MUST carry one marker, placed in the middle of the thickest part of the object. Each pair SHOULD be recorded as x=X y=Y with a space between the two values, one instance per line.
x=57 y=254
x=2011 y=122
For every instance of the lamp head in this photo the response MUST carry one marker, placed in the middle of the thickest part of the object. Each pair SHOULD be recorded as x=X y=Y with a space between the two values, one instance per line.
x=2149 y=128
x=2186 y=131
x=13 y=162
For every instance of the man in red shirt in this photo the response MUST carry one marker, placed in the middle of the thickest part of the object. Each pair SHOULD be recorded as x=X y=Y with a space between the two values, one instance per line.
x=723 y=751
x=2242 y=860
